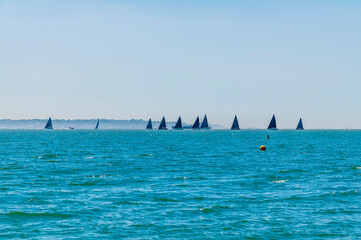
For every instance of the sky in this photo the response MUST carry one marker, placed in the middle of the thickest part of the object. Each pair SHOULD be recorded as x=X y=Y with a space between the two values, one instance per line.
x=148 y=59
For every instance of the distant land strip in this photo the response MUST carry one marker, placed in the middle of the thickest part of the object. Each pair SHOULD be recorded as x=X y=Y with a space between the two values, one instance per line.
x=83 y=124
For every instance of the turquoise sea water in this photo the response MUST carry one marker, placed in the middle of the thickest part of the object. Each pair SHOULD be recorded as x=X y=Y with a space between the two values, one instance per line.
x=180 y=184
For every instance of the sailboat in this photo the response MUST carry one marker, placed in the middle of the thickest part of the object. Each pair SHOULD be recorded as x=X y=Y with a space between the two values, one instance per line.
x=235 y=125
x=96 y=126
x=300 y=125
x=49 y=124
x=205 y=123
x=149 y=125
x=162 y=125
x=196 y=124
x=178 y=125
x=272 y=125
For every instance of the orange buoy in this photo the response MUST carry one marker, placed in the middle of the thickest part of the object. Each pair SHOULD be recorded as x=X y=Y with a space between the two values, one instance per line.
x=262 y=148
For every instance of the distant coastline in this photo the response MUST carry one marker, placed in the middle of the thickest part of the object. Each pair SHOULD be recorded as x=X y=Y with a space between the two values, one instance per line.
x=81 y=124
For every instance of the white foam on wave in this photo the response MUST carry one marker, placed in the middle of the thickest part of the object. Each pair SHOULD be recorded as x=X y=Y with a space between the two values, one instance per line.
x=280 y=181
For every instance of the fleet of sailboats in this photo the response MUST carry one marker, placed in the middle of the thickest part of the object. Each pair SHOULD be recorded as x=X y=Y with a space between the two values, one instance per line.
x=196 y=125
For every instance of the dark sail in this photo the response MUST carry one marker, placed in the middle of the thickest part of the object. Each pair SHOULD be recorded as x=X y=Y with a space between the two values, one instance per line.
x=96 y=126
x=300 y=125
x=149 y=125
x=49 y=124
x=272 y=125
x=162 y=125
x=235 y=125
x=178 y=125
x=196 y=124
x=205 y=123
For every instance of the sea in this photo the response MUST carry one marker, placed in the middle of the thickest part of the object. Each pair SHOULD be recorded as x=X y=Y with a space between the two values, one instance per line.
x=217 y=184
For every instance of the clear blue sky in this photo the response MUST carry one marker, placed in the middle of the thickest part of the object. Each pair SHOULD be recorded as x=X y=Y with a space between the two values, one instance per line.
x=141 y=59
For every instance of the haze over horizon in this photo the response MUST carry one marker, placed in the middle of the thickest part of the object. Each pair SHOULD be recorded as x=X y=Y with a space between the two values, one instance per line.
x=148 y=59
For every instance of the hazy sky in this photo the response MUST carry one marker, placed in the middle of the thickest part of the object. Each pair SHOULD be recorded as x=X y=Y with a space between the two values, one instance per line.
x=141 y=59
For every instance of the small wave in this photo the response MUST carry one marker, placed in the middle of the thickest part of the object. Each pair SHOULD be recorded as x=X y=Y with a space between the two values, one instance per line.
x=51 y=160
x=206 y=210
x=88 y=157
x=216 y=208
x=346 y=193
x=200 y=178
x=126 y=203
x=143 y=155
x=98 y=176
x=47 y=156
x=165 y=200
x=199 y=198
x=35 y=200
x=82 y=184
x=180 y=177
x=142 y=225
x=338 y=211
x=280 y=181
x=37 y=215
x=291 y=170
x=182 y=185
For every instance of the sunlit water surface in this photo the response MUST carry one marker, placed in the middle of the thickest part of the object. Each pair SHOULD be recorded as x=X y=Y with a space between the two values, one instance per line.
x=180 y=184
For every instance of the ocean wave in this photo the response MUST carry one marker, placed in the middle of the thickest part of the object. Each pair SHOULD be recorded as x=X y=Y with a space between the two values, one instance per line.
x=216 y=208
x=165 y=200
x=36 y=215
x=291 y=170
x=280 y=181
x=47 y=156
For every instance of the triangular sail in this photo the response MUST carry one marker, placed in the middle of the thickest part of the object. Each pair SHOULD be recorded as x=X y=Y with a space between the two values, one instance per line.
x=235 y=125
x=162 y=125
x=49 y=124
x=300 y=125
x=178 y=125
x=196 y=124
x=96 y=126
x=149 y=125
x=272 y=124
x=205 y=122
